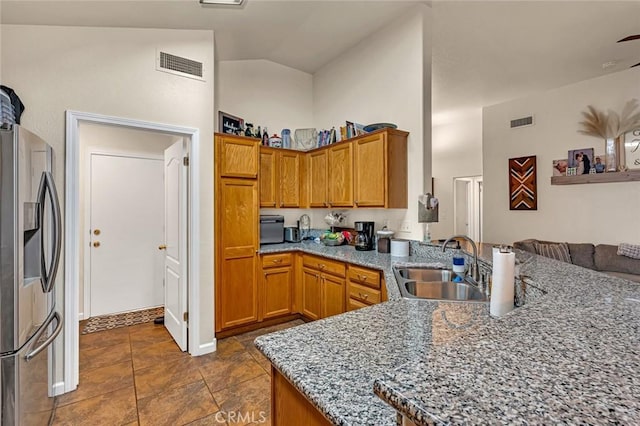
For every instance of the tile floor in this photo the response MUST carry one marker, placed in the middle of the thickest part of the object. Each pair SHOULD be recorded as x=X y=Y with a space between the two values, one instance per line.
x=137 y=376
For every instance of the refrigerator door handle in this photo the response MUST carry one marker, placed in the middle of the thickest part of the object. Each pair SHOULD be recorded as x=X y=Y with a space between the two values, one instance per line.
x=47 y=185
x=34 y=352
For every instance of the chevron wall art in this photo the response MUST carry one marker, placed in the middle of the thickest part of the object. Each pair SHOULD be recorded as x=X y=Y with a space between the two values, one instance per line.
x=523 y=188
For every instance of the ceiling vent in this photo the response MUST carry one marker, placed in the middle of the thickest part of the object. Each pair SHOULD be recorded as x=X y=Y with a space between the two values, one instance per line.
x=522 y=122
x=179 y=66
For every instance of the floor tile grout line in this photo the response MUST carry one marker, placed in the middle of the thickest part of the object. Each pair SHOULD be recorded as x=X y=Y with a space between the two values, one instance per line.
x=133 y=373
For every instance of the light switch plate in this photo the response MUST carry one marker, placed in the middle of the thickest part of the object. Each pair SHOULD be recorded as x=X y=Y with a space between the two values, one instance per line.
x=405 y=227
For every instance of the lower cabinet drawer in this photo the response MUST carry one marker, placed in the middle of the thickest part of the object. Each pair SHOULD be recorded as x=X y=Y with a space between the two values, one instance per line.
x=364 y=294
x=363 y=276
x=355 y=304
x=276 y=260
x=324 y=265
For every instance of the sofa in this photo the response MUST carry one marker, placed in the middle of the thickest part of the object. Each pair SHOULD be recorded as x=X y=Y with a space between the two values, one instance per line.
x=602 y=258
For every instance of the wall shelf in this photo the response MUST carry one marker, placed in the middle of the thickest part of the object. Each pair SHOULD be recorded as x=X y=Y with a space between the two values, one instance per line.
x=628 y=176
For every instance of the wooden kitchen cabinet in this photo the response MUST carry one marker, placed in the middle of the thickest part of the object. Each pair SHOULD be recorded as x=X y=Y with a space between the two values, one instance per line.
x=323 y=287
x=380 y=169
x=268 y=176
x=237 y=235
x=317 y=179
x=333 y=297
x=364 y=287
x=290 y=177
x=237 y=156
x=237 y=240
x=340 y=175
x=277 y=285
x=280 y=178
x=311 y=294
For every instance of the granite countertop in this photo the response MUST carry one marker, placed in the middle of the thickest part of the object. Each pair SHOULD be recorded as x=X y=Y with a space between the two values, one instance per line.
x=570 y=355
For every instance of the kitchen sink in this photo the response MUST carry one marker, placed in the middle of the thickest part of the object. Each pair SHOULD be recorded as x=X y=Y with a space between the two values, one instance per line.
x=435 y=284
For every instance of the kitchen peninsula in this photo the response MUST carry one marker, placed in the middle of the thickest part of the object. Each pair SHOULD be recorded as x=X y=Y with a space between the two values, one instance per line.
x=570 y=355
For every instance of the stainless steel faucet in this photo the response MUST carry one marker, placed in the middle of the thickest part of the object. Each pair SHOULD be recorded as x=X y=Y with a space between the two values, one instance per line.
x=474 y=270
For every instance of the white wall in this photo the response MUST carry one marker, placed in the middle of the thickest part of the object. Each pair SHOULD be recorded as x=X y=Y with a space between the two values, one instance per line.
x=265 y=93
x=111 y=140
x=457 y=152
x=599 y=213
x=111 y=71
x=385 y=78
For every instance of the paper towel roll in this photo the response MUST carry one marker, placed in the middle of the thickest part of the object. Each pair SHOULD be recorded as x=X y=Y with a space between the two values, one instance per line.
x=502 y=289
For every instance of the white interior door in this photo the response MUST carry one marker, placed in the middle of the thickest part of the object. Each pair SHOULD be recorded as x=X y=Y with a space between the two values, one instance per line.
x=175 y=248
x=126 y=220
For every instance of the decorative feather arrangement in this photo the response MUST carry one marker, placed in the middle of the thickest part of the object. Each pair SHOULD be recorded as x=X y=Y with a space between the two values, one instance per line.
x=628 y=121
x=611 y=125
x=595 y=123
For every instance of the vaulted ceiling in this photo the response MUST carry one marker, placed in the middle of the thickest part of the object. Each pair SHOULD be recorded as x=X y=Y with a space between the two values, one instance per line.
x=483 y=52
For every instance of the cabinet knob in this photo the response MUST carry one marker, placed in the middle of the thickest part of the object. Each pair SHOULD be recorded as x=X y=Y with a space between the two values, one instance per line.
x=362 y=277
x=326 y=204
x=321 y=265
x=96 y=244
x=363 y=295
x=162 y=247
x=355 y=202
x=277 y=260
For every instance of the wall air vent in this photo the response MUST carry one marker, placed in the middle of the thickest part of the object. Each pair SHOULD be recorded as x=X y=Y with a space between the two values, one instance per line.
x=180 y=66
x=522 y=122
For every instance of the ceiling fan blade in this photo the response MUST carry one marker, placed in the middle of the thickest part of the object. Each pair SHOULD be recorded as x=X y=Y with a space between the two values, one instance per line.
x=638 y=64
x=629 y=38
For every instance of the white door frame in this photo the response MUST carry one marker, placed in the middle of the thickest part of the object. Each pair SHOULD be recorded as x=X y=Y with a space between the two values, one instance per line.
x=72 y=230
x=474 y=204
x=86 y=312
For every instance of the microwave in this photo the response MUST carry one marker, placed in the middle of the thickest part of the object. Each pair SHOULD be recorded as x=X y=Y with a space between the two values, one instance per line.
x=271 y=229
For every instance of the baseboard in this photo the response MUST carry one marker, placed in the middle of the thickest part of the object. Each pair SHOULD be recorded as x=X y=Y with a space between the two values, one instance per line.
x=58 y=388
x=206 y=348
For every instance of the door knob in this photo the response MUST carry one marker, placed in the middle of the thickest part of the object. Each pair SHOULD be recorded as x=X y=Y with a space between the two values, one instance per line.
x=96 y=243
x=162 y=247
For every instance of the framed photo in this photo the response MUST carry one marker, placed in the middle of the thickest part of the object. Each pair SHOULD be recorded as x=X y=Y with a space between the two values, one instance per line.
x=560 y=167
x=632 y=149
x=599 y=163
x=230 y=124
x=582 y=160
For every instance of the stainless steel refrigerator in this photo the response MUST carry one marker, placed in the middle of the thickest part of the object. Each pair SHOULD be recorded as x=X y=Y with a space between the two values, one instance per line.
x=30 y=244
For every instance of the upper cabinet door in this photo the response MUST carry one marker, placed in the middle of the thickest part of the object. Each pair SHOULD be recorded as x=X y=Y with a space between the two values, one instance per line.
x=317 y=179
x=340 y=166
x=289 y=179
x=370 y=166
x=268 y=178
x=238 y=157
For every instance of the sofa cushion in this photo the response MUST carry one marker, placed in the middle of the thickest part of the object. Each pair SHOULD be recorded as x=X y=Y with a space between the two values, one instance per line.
x=582 y=255
x=629 y=250
x=607 y=259
x=630 y=277
x=557 y=251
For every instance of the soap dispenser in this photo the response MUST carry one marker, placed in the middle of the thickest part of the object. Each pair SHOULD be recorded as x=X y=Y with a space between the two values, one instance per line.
x=458 y=263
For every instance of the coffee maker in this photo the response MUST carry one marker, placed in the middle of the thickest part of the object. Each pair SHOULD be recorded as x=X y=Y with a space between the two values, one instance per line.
x=364 y=239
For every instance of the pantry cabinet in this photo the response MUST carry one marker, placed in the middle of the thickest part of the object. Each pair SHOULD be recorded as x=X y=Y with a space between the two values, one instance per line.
x=280 y=178
x=237 y=156
x=237 y=241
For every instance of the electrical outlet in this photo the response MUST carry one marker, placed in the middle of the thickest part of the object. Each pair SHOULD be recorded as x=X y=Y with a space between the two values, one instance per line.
x=405 y=227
